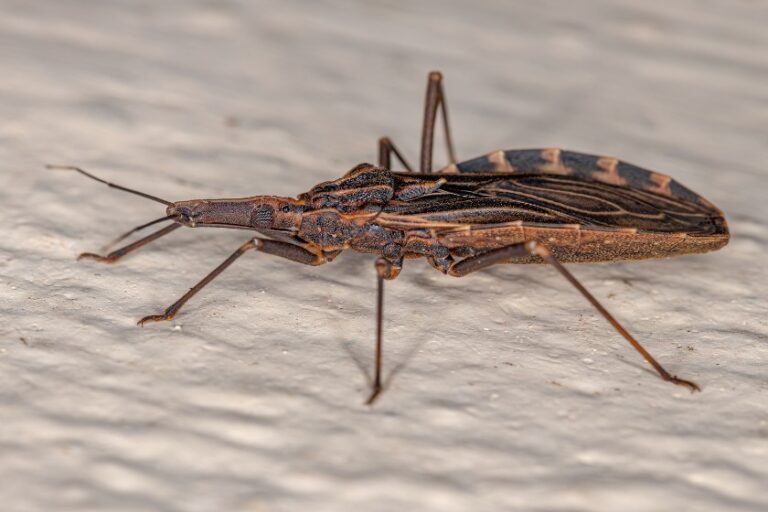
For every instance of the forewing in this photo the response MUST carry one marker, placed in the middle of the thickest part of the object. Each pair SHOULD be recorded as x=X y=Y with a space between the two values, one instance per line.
x=550 y=199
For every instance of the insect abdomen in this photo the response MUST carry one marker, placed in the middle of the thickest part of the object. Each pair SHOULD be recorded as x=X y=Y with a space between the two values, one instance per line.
x=574 y=243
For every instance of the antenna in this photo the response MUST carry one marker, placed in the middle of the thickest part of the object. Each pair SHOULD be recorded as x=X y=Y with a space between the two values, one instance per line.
x=119 y=187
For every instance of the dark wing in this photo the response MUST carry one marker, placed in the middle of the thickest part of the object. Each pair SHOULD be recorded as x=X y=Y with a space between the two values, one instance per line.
x=583 y=166
x=551 y=199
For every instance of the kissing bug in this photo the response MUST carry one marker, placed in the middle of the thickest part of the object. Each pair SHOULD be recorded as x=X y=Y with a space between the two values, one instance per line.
x=517 y=206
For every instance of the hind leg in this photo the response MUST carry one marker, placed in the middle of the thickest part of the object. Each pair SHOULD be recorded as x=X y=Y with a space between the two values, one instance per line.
x=435 y=99
x=504 y=254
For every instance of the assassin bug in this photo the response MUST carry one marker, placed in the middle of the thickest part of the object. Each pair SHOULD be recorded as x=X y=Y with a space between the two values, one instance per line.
x=517 y=206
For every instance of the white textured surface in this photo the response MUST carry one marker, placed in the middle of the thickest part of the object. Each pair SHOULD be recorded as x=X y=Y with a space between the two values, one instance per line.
x=511 y=393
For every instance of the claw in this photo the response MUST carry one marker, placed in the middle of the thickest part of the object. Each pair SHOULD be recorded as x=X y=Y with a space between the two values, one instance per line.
x=374 y=395
x=153 y=318
x=96 y=257
x=687 y=383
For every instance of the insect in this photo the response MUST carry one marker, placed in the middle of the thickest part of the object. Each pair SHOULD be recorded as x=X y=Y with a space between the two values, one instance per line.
x=517 y=206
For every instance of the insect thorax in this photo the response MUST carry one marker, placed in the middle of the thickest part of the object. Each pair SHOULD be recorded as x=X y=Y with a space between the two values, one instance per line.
x=342 y=213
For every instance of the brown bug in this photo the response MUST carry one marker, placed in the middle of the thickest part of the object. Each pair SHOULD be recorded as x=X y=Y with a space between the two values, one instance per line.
x=517 y=206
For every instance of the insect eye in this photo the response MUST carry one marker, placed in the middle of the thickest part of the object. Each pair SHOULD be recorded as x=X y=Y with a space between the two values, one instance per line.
x=285 y=209
x=184 y=215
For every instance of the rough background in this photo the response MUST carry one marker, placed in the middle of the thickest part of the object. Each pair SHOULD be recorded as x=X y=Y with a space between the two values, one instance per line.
x=510 y=392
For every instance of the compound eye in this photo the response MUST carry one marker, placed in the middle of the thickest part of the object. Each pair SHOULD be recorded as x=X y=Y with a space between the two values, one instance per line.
x=285 y=208
x=262 y=216
x=184 y=215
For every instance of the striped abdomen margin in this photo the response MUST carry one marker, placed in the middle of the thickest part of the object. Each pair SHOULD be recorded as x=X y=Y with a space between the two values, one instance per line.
x=603 y=169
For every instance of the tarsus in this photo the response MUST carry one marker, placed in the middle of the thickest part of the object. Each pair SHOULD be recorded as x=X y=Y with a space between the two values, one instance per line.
x=134 y=230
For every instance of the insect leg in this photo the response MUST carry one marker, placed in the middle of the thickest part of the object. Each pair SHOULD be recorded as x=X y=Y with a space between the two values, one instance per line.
x=492 y=257
x=136 y=229
x=435 y=98
x=119 y=253
x=544 y=253
x=282 y=249
x=387 y=148
x=384 y=270
x=487 y=259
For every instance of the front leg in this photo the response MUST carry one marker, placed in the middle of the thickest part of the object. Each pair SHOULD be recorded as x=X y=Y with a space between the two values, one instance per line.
x=119 y=253
x=302 y=254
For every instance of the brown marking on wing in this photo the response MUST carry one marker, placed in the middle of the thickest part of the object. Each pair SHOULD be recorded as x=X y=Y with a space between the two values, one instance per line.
x=571 y=200
x=448 y=169
x=485 y=199
x=500 y=162
x=659 y=184
x=553 y=162
x=405 y=222
x=608 y=171
x=583 y=166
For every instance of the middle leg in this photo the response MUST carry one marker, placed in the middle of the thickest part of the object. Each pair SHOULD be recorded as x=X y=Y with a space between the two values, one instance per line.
x=384 y=270
x=387 y=148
